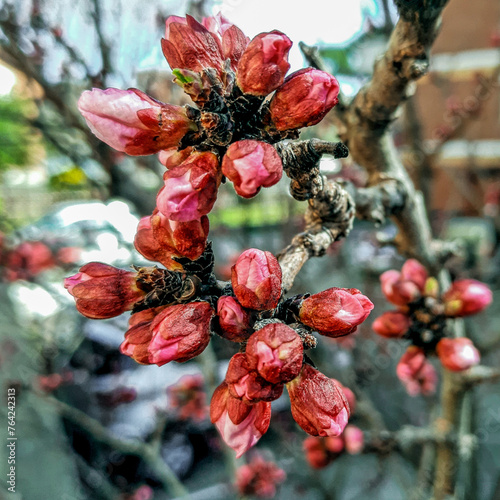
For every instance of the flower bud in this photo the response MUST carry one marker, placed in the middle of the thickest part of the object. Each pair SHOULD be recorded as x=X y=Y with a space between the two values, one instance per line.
x=264 y=63
x=391 y=324
x=416 y=373
x=398 y=291
x=159 y=239
x=256 y=280
x=316 y=453
x=250 y=165
x=233 y=319
x=259 y=478
x=139 y=334
x=132 y=122
x=188 y=398
x=350 y=396
x=102 y=291
x=318 y=404
x=466 y=297
x=189 y=45
x=457 y=354
x=239 y=424
x=353 y=439
x=190 y=189
x=304 y=99
x=336 y=311
x=180 y=332
x=276 y=352
x=413 y=271
x=246 y=384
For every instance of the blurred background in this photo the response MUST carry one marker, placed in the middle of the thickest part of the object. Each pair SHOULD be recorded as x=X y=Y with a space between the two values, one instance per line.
x=67 y=199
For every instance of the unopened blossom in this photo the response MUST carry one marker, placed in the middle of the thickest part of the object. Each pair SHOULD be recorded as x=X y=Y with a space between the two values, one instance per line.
x=259 y=478
x=132 y=122
x=256 y=280
x=457 y=354
x=350 y=396
x=391 y=324
x=234 y=321
x=159 y=239
x=335 y=312
x=403 y=287
x=316 y=453
x=251 y=165
x=353 y=439
x=318 y=404
x=264 y=63
x=102 y=291
x=416 y=373
x=466 y=297
x=187 y=398
x=276 y=352
x=139 y=335
x=246 y=383
x=27 y=260
x=240 y=425
x=180 y=332
x=190 y=189
x=304 y=99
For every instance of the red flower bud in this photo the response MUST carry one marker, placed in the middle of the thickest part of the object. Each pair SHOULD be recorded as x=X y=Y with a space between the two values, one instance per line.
x=336 y=311
x=188 y=398
x=250 y=165
x=256 y=280
x=259 y=478
x=457 y=354
x=233 y=319
x=239 y=424
x=180 y=332
x=318 y=403
x=159 y=239
x=466 y=297
x=304 y=99
x=264 y=63
x=416 y=373
x=353 y=439
x=103 y=291
x=138 y=336
x=276 y=352
x=190 y=189
x=391 y=324
x=413 y=271
x=398 y=291
x=189 y=45
x=246 y=384
x=316 y=453
x=132 y=122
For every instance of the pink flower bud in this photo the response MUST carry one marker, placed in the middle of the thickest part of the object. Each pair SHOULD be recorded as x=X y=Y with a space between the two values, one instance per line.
x=239 y=424
x=256 y=280
x=413 y=271
x=246 y=384
x=190 y=189
x=391 y=324
x=233 y=319
x=316 y=453
x=138 y=336
x=27 y=260
x=336 y=311
x=159 y=239
x=180 y=332
x=171 y=158
x=353 y=439
x=132 y=122
x=189 y=45
x=188 y=398
x=416 y=373
x=250 y=165
x=398 y=291
x=103 y=291
x=457 y=354
x=276 y=352
x=466 y=297
x=304 y=99
x=318 y=403
x=264 y=63
x=259 y=478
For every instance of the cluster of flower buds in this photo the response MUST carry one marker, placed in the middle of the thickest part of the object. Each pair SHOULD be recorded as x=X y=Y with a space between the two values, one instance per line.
x=187 y=397
x=259 y=478
x=175 y=313
x=320 y=452
x=229 y=134
x=422 y=317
